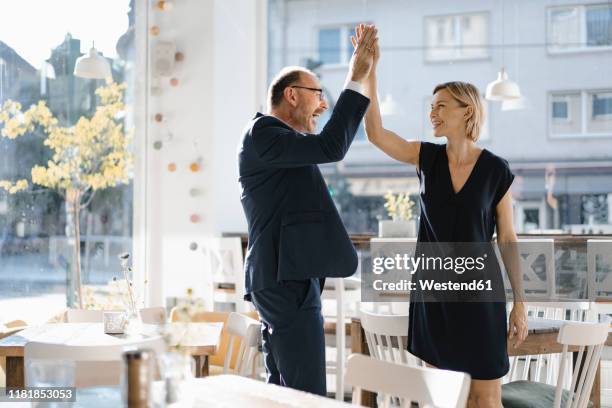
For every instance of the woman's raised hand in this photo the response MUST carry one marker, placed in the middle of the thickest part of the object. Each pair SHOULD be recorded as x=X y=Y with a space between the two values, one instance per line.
x=355 y=39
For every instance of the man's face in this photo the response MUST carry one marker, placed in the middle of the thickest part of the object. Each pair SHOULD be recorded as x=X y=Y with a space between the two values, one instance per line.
x=306 y=103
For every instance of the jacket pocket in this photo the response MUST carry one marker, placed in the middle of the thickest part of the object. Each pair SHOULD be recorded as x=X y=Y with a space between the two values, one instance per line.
x=303 y=253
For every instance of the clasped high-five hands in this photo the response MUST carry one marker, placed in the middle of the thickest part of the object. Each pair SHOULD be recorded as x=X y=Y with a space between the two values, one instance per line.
x=366 y=53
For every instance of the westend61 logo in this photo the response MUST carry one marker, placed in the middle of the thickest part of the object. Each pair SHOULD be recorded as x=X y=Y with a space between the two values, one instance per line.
x=406 y=262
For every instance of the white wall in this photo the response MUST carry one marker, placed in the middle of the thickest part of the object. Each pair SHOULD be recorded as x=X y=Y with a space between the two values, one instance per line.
x=216 y=96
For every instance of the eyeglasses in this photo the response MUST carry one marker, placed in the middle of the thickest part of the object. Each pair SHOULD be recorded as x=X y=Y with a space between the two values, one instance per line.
x=320 y=91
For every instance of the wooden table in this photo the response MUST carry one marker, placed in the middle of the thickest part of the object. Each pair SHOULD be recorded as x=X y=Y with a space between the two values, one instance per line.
x=202 y=340
x=542 y=339
x=218 y=391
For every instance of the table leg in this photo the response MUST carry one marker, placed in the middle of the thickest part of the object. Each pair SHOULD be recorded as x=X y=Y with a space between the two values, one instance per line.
x=359 y=345
x=201 y=363
x=15 y=372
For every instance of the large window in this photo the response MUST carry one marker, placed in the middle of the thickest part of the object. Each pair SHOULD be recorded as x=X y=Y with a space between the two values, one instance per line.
x=556 y=138
x=579 y=28
x=334 y=44
x=581 y=113
x=43 y=183
x=457 y=37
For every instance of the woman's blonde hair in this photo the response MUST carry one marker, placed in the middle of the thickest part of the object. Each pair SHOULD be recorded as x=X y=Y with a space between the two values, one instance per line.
x=467 y=95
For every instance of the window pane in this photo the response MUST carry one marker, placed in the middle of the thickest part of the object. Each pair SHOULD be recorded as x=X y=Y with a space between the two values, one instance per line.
x=564 y=31
x=566 y=107
x=559 y=109
x=440 y=38
x=600 y=113
x=329 y=46
x=532 y=218
x=474 y=36
x=602 y=105
x=38 y=225
x=599 y=26
x=594 y=209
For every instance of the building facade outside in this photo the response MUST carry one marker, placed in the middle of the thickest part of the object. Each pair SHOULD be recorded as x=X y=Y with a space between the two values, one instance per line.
x=557 y=138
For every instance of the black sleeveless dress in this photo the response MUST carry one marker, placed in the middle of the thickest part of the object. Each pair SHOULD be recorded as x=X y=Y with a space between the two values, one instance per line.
x=460 y=336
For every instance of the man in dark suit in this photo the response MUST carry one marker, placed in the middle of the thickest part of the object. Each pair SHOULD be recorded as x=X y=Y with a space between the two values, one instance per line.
x=296 y=237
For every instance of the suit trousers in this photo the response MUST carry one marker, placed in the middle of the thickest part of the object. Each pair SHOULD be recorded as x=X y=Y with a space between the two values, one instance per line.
x=292 y=331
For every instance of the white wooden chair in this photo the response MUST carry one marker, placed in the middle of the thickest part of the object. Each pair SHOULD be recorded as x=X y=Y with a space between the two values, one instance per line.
x=536 y=283
x=86 y=366
x=225 y=272
x=386 y=337
x=9 y=328
x=590 y=337
x=599 y=253
x=248 y=331
x=344 y=295
x=388 y=247
x=425 y=386
x=544 y=367
x=599 y=272
x=153 y=315
x=84 y=316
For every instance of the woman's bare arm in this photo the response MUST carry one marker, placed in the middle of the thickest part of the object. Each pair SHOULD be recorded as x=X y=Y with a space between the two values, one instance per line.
x=391 y=143
x=507 y=241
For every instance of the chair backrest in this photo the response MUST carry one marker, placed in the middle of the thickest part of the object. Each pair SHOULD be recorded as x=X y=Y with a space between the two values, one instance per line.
x=153 y=315
x=84 y=316
x=15 y=324
x=546 y=365
x=386 y=337
x=425 y=386
x=217 y=359
x=573 y=310
x=248 y=331
x=91 y=365
x=225 y=271
x=224 y=256
x=599 y=258
x=533 y=254
x=590 y=337
x=12 y=327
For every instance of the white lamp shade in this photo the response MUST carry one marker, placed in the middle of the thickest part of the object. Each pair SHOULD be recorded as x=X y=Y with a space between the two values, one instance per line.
x=514 y=104
x=502 y=89
x=92 y=66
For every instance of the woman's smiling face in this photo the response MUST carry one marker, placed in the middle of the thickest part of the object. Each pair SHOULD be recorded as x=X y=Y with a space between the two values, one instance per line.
x=447 y=115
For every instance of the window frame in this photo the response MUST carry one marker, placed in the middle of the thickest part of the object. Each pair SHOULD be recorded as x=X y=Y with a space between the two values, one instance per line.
x=584 y=101
x=584 y=47
x=566 y=99
x=457 y=33
x=607 y=116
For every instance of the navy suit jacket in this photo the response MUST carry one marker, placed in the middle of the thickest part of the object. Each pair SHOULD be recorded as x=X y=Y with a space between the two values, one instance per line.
x=295 y=231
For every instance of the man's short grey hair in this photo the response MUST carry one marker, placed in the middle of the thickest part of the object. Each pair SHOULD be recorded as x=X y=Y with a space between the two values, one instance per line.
x=286 y=77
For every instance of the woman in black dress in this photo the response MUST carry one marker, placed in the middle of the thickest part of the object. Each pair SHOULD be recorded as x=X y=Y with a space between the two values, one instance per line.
x=464 y=195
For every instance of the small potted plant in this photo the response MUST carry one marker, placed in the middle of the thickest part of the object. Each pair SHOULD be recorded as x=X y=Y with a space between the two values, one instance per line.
x=402 y=223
